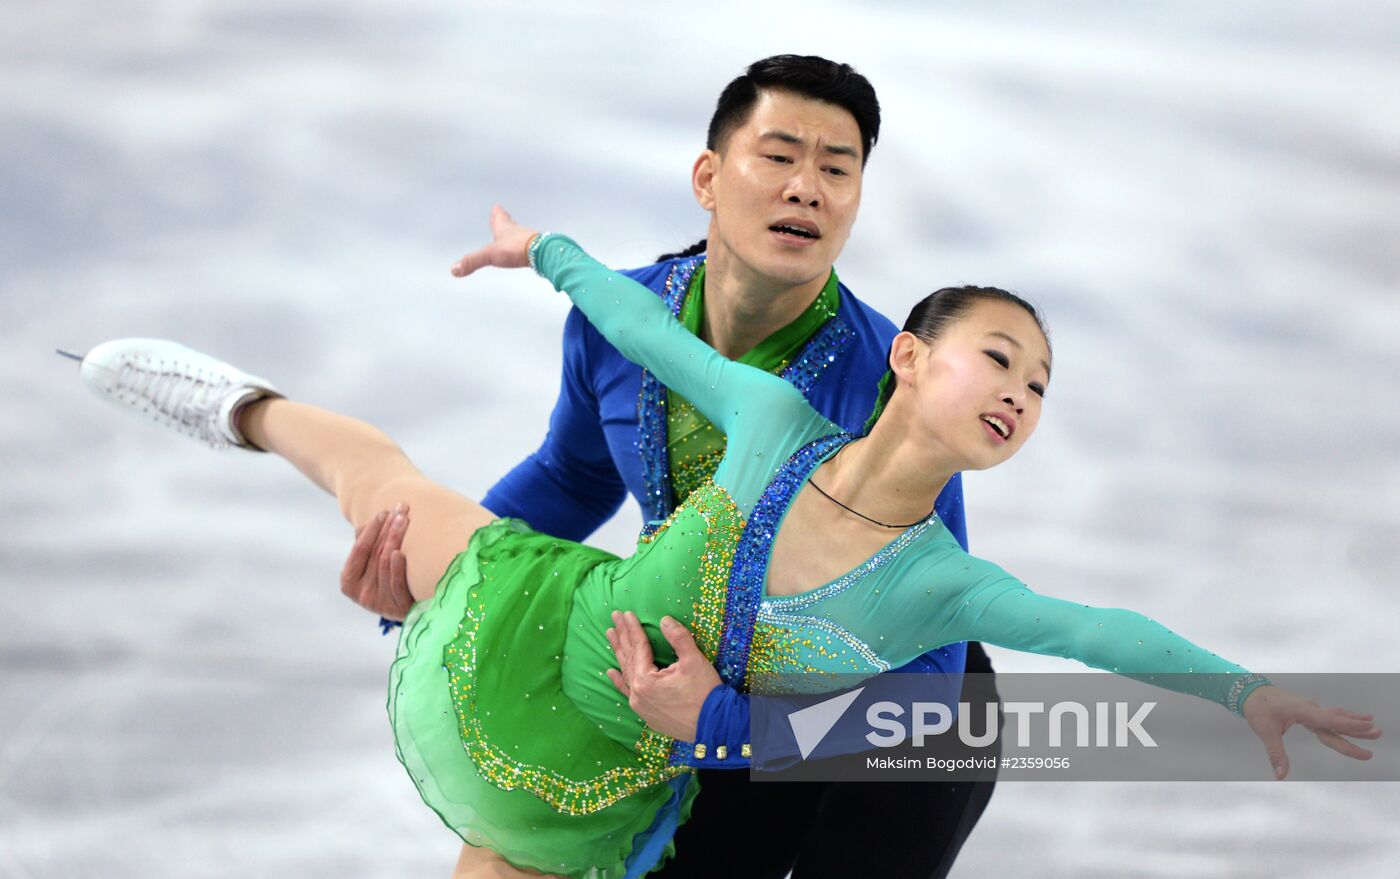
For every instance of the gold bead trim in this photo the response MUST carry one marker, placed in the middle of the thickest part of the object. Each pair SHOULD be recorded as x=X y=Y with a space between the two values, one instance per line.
x=566 y=795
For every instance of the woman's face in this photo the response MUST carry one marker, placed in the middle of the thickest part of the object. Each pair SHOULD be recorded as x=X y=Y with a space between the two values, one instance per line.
x=979 y=387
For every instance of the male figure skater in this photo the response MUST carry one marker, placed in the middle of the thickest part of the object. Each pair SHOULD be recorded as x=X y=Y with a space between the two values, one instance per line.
x=781 y=178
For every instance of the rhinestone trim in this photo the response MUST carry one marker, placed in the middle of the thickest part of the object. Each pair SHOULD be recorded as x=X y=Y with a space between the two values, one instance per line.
x=787 y=603
x=1237 y=690
x=826 y=344
x=569 y=796
x=856 y=645
x=657 y=500
x=752 y=554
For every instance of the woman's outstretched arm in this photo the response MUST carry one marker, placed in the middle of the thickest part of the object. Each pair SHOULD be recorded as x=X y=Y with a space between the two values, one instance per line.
x=642 y=328
x=999 y=609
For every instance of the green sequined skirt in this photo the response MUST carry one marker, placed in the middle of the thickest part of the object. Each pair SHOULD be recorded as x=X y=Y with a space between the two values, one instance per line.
x=483 y=724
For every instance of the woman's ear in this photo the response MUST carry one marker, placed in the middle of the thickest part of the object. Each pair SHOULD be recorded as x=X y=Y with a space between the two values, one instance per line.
x=702 y=179
x=907 y=352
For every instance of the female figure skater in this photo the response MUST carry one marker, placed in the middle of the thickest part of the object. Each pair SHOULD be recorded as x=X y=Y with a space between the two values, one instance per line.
x=499 y=697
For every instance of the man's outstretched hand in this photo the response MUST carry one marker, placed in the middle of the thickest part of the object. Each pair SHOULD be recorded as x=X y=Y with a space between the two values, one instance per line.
x=506 y=250
x=375 y=575
x=668 y=699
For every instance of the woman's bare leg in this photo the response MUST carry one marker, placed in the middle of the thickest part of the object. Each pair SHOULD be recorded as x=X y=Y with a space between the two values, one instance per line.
x=367 y=472
x=483 y=863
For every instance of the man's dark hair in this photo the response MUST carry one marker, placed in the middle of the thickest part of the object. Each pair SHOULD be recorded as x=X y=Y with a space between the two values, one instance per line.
x=805 y=75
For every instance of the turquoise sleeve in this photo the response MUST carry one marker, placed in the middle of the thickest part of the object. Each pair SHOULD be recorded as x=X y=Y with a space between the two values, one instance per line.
x=1000 y=610
x=763 y=416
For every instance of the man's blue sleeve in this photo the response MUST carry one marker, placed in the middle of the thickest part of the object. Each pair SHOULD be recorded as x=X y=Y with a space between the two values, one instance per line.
x=569 y=486
x=722 y=733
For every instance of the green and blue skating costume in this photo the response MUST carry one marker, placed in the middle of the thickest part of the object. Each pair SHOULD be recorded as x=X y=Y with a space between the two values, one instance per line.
x=502 y=711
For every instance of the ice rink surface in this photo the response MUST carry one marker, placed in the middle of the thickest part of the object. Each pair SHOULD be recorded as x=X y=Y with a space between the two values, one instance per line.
x=1202 y=196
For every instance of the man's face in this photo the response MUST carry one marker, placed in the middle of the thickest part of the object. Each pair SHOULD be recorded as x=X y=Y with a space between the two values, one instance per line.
x=784 y=189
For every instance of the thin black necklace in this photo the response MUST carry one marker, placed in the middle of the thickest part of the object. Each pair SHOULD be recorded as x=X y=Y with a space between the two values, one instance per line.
x=858 y=512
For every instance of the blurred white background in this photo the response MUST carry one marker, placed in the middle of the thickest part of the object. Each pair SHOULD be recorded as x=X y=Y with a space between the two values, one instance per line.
x=1202 y=196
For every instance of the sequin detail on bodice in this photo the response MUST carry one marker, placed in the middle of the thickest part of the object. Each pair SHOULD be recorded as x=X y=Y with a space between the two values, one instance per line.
x=723 y=525
x=825 y=347
x=786 y=643
x=658 y=502
x=665 y=484
x=751 y=557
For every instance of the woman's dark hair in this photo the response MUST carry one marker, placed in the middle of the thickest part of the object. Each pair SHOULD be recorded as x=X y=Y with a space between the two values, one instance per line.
x=806 y=75
x=693 y=250
x=933 y=314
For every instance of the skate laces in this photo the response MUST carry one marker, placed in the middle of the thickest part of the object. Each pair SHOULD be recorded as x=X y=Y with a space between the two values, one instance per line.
x=187 y=399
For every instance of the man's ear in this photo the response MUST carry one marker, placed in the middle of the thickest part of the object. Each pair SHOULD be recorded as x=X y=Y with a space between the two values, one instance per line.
x=702 y=179
x=906 y=353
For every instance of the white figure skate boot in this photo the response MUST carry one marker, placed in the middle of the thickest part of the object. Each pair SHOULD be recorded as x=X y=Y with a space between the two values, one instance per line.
x=178 y=387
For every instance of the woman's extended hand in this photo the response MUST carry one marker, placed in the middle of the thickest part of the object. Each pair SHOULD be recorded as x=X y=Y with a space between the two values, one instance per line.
x=1271 y=710
x=506 y=251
